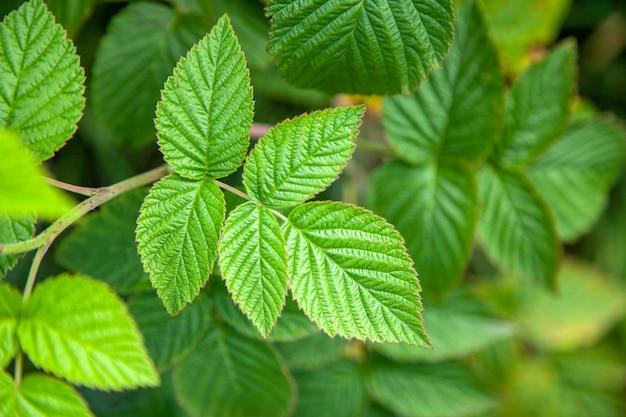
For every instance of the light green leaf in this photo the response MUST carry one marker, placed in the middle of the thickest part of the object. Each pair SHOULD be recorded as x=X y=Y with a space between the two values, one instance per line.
x=336 y=390
x=314 y=351
x=356 y=46
x=10 y=306
x=515 y=226
x=299 y=158
x=351 y=274
x=40 y=396
x=42 y=82
x=23 y=189
x=231 y=375
x=586 y=307
x=254 y=263
x=14 y=229
x=78 y=329
x=456 y=114
x=142 y=44
x=169 y=339
x=574 y=175
x=434 y=207
x=103 y=245
x=537 y=106
x=177 y=231
x=70 y=13
x=428 y=390
x=206 y=109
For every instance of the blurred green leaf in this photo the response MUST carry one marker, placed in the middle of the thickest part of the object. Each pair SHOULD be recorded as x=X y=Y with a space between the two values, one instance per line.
x=14 y=229
x=10 y=308
x=71 y=14
x=314 y=351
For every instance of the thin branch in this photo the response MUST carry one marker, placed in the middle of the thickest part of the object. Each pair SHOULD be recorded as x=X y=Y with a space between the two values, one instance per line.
x=259 y=130
x=77 y=189
x=233 y=190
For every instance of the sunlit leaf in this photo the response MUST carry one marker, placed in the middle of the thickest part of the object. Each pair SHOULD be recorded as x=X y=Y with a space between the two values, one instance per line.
x=10 y=307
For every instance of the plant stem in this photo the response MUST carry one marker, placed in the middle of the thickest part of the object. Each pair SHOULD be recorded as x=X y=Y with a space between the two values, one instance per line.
x=247 y=197
x=259 y=130
x=87 y=191
x=19 y=366
x=101 y=196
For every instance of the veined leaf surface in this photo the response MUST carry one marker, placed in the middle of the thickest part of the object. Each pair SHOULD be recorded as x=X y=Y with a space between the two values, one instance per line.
x=254 y=263
x=10 y=307
x=14 y=229
x=177 y=231
x=301 y=157
x=351 y=274
x=205 y=113
x=42 y=81
x=78 y=329
x=457 y=112
x=356 y=46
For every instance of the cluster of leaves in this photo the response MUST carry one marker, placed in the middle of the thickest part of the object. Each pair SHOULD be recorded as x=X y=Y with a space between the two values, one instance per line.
x=470 y=155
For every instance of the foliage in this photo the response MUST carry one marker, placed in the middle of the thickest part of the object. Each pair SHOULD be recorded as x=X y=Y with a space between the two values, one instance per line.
x=243 y=276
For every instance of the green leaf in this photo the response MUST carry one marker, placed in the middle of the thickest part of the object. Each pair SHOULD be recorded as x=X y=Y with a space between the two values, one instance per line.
x=10 y=307
x=254 y=263
x=231 y=375
x=586 y=307
x=537 y=107
x=428 y=390
x=456 y=113
x=206 y=109
x=337 y=390
x=351 y=274
x=78 y=329
x=574 y=175
x=314 y=351
x=177 y=231
x=169 y=339
x=42 y=82
x=71 y=14
x=434 y=206
x=356 y=46
x=142 y=44
x=103 y=245
x=40 y=396
x=299 y=158
x=515 y=226
x=14 y=229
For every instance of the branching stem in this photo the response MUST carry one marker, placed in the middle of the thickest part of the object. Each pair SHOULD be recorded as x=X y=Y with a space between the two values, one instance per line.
x=247 y=197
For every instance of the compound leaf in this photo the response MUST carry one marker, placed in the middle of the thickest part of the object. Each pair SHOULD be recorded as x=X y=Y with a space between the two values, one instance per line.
x=10 y=306
x=22 y=186
x=142 y=44
x=41 y=94
x=254 y=263
x=78 y=329
x=434 y=206
x=205 y=113
x=14 y=229
x=575 y=173
x=516 y=227
x=301 y=157
x=351 y=274
x=40 y=396
x=231 y=375
x=356 y=46
x=177 y=231
x=446 y=117
x=537 y=107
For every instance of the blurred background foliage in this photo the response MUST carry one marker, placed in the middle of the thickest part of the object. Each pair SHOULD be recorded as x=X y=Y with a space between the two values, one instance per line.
x=502 y=348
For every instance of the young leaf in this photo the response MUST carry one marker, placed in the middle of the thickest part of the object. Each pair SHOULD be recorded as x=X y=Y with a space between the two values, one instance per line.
x=351 y=274
x=42 y=82
x=434 y=206
x=14 y=229
x=78 y=329
x=428 y=390
x=10 y=306
x=177 y=231
x=356 y=46
x=22 y=187
x=40 y=396
x=456 y=114
x=301 y=157
x=205 y=113
x=142 y=44
x=537 y=107
x=254 y=263
x=515 y=226
x=574 y=175
x=103 y=245
x=169 y=339
x=231 y=375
